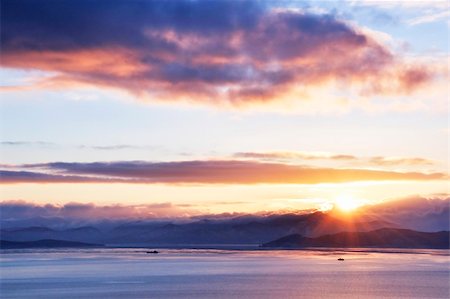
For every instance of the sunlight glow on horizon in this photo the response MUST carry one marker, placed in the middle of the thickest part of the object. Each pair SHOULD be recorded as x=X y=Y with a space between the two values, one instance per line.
x=347 y=203
x=198 y=199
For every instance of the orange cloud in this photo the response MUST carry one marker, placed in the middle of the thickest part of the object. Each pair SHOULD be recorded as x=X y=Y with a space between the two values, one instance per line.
x=377 y=160
x=389 y=161
x=199 y=172
x=249 y=54
x=293 y=155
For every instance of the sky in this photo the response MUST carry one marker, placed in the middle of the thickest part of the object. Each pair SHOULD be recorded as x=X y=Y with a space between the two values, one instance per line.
x=198 y=107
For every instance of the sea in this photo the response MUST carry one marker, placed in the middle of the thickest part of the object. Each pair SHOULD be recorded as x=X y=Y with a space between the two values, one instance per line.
x=218 y=273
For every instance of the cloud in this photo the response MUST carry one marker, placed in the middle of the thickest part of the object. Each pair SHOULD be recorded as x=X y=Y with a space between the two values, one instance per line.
x=199 y=172
x=418 y=205
x=410 y=12
x=438 y=16
x=293 y=155
x=214 y=52
x=391 y=161
x=424 y=213
x=376 y=160
x=26 y=143
x=92 y=147
x=19 y=209
x=415 y=212
x=400 y=4
x=8 y=176
x=117 y=147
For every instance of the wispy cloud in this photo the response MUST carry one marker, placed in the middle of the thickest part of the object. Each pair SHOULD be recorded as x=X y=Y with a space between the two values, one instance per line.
x=410 y=4
x=293 y=156
x=27 y=143
x=249 y=52
x=199 y=172
x=437 y=16
x=376 y=160
x=411 y=12
x=11 y=177
x=117 y=147
x=84 y=146
x=390 y=161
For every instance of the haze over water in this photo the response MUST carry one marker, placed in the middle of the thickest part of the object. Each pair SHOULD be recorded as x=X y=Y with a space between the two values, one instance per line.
x=201 y=273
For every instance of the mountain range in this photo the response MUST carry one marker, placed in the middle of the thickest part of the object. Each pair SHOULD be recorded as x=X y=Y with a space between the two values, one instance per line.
x=238 y=230
x=254 y=229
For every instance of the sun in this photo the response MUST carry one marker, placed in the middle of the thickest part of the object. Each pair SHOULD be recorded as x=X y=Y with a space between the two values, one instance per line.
x=347 y=203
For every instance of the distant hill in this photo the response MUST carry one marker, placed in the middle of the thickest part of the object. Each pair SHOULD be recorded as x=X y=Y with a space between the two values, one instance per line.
x=249 y=229
x=87 y=234
x=48 y=243
x=381 y=238
x=240 y=230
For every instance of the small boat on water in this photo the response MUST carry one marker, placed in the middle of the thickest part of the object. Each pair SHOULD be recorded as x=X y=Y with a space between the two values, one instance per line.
x=340 y=259
x=153 y=251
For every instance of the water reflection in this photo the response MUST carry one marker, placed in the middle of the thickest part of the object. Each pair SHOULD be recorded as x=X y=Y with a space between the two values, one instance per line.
x=184 y=273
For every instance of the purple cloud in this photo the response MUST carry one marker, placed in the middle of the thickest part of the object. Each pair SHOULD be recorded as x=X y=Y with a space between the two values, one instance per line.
x=19 y=209
x=201 y=172
x=212 y=52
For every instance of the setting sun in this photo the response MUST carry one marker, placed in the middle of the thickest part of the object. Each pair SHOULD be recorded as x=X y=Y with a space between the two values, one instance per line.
x=347 y=203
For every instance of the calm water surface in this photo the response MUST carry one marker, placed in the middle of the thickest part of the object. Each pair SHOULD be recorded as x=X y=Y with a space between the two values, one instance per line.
x=131 y=273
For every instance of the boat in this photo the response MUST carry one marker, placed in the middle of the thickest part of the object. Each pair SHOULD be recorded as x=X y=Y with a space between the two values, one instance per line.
x=340 y=259
x=153 y=251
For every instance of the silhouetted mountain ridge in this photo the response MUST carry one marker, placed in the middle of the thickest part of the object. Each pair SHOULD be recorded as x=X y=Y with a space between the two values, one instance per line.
x=47 y=243
x=238 y=230
x=380 y=238
x=419 y=214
